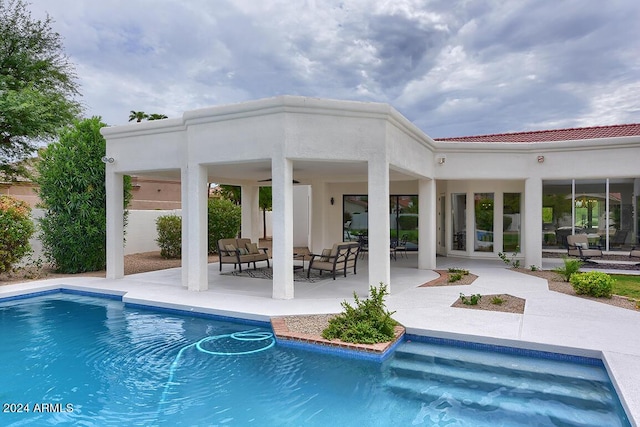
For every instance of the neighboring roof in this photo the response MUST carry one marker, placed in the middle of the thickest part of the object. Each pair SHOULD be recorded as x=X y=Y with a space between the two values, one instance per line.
x=572 y=134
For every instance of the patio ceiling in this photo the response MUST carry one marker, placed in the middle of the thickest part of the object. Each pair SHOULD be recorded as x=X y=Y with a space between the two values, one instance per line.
x=304 y=172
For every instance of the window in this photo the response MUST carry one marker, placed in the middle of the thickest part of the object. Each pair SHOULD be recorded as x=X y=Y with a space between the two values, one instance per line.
x=458 y=222
x=511 y=222
x=483 y=210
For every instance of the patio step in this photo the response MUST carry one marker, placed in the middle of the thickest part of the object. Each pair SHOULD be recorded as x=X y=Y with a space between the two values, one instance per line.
x=526 y=391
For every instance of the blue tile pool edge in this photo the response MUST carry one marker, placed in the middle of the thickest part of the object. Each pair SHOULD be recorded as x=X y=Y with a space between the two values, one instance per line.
x=350 y=353
x=538 y=354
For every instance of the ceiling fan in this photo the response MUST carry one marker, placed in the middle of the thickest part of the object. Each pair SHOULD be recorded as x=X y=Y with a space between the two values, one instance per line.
x=270 y=179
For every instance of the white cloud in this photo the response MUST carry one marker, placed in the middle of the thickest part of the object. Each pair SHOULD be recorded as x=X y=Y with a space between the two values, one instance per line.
x=453 y=67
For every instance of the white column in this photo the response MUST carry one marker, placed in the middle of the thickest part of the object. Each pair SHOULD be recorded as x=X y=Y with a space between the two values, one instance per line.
x=427 y=229
x=251 y=214
x=184 y=191
x=196 y=215
x=532 y=229
x=318 y=217
x=379 y=223
x=282 y=218
x=115 y=224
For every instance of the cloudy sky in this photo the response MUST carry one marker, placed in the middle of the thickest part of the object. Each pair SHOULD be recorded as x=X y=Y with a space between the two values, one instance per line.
x=453 y=67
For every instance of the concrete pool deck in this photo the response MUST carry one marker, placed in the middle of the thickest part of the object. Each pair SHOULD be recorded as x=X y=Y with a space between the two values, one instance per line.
x=551 y=321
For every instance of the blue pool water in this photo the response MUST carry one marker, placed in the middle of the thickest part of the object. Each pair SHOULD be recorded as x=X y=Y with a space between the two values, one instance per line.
x=80 y=360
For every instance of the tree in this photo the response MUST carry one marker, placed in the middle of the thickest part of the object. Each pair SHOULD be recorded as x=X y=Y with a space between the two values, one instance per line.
x=232 y=192
x=138 y=116
x=71 y=177
x=156 y=116
x=265 y=201
x=37 y=85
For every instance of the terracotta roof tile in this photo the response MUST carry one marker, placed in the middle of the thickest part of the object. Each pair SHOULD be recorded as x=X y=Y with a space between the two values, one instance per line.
x=555 y=135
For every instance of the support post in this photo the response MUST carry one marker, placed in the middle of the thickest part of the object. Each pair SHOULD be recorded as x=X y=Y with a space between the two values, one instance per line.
x=197 y=228
x=532 y=230
x=282 y=196
x=379 y=223
x=115 y=224
x=427 y=236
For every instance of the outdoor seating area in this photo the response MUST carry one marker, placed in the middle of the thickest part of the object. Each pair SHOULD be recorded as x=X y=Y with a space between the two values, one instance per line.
x=578 y=246
x=341 y=257
x=241 y=251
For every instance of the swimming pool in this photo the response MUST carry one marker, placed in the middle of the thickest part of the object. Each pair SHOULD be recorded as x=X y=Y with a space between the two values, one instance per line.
x=79 y=360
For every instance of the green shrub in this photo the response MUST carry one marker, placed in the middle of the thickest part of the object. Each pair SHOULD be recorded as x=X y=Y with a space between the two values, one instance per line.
x=472 y=300
x=570 y=267
x=515 y=263
x=593 y=283
x=496 y=300
x=71 y=177
x=224 y=220
x=367 y=323
x=15 y=230
x=454 y=277
x=169 y=236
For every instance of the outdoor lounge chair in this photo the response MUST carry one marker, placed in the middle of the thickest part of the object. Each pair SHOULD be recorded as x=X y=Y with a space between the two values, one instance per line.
x=239 y=251
x=578 y=246
x=342 y=256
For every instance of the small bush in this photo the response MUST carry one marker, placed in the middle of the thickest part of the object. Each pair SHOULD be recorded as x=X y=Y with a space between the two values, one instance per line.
x=461 y=271
x=454 y=277
x=513 y=262
x=496 y=300
x=593 y=283
x=367 y=323
x=224 y=220
x=570 y=267
x=472 y=300
x=15 y=230
x=169 y=236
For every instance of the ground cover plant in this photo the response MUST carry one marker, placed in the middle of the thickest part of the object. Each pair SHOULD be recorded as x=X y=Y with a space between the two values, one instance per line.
x=456 y=274
x=626 y=285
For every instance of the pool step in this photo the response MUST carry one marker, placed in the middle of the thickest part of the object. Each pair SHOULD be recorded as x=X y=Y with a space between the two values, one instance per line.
x=539 y=386
x=467 y=381
x=479 y=406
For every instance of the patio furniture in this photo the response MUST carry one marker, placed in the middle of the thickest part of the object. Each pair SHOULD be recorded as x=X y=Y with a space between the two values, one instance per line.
x=340 y=257
x=401 y=246
x=619 y=238
x=239 y=251
x=363 y=241
x=578 y=246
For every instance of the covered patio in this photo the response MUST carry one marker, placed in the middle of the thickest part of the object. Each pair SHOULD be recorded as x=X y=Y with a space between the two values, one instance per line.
x=335 y=147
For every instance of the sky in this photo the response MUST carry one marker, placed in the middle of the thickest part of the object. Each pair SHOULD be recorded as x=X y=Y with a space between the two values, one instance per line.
x=452 y=67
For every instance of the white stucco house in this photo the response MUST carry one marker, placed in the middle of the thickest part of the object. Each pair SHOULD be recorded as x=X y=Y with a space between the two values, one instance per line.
x=369 y=166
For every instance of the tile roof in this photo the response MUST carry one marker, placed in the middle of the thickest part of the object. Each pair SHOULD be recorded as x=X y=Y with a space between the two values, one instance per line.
x=554 y=135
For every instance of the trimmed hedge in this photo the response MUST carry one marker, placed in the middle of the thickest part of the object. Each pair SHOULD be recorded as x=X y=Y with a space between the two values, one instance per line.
x=593 y=283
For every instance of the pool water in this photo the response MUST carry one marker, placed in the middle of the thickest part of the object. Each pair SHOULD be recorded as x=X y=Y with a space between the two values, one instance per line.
x=79 y=360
